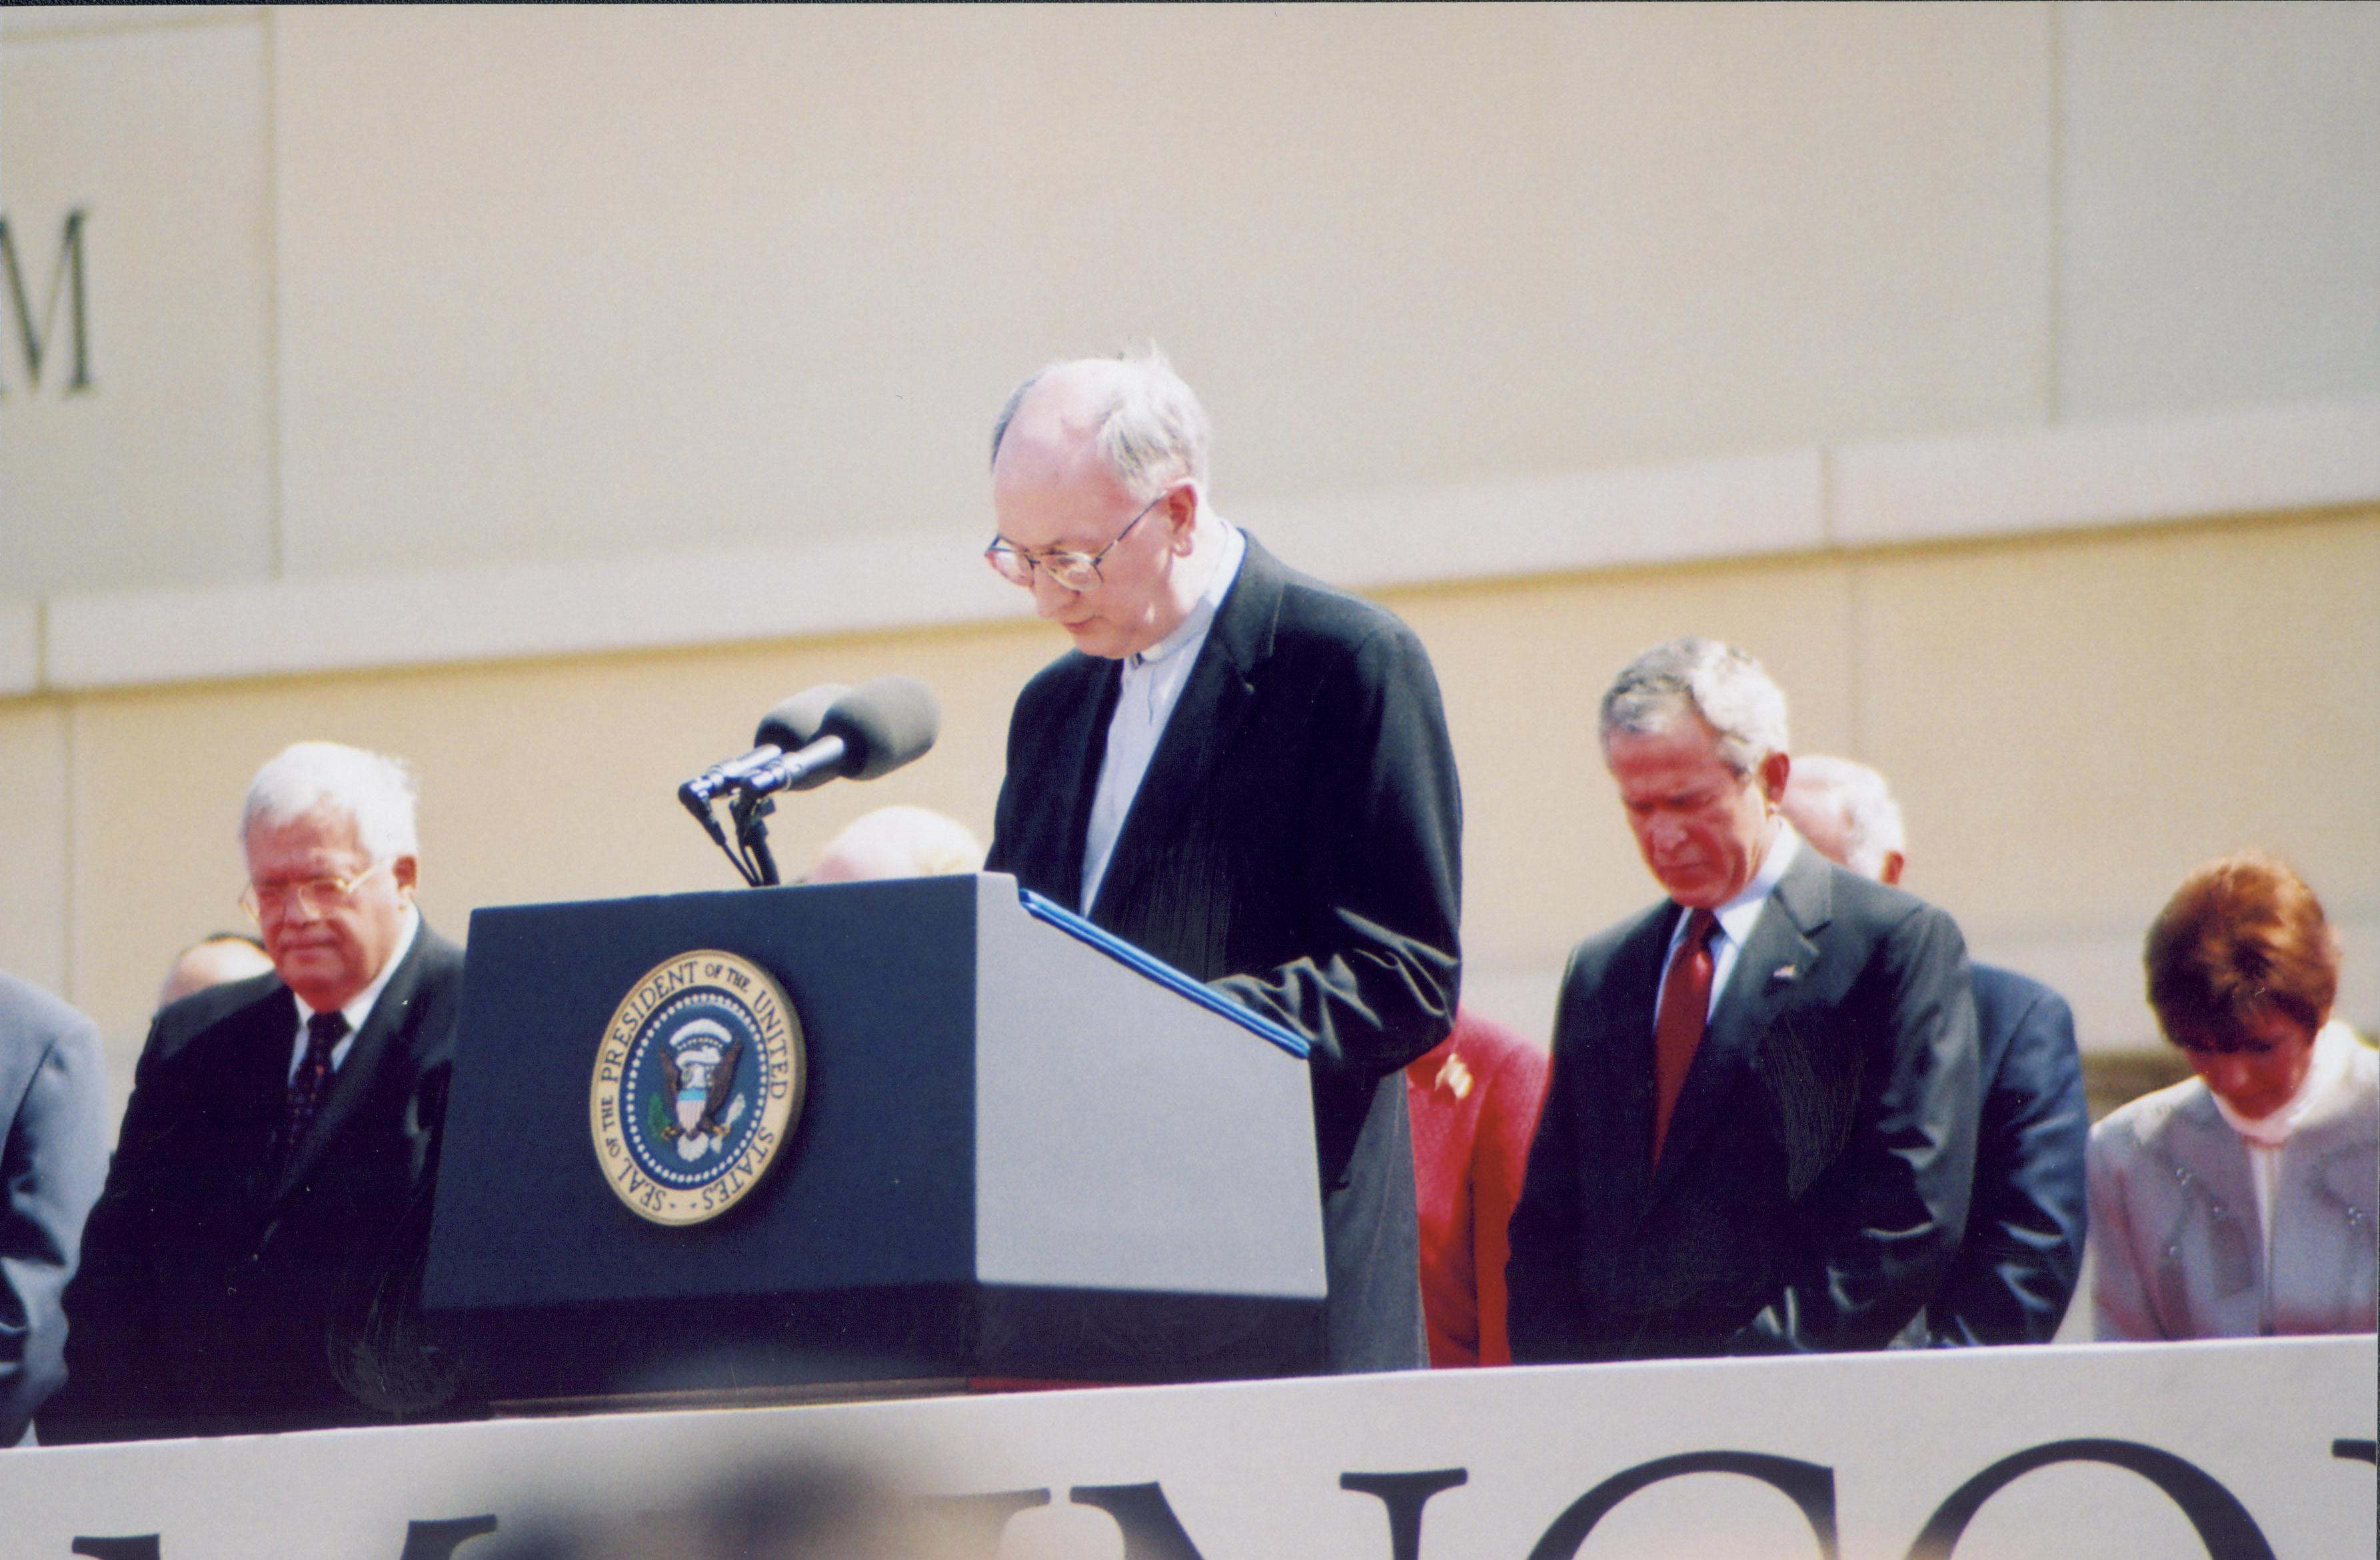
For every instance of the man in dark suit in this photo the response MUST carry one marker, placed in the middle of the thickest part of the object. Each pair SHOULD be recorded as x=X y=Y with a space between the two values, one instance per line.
x=1761 y=1127
x=1245 y=773
x=237 y=1272
x=2016 y=1269
x=53 y=1159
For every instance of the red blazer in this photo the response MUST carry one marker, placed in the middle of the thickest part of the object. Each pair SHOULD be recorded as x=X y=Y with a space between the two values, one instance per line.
x=1474 y=1100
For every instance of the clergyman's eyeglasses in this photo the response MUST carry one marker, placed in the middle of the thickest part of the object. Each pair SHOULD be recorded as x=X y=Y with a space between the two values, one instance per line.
x=1074 y=571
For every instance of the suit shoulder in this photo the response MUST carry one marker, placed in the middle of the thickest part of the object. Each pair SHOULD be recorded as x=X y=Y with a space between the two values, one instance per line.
x=429 y=991
x=27 y=1009
x=2008 y=1002
x=1893 y=923
x=1059 y=682
x=1880 y=904
x=208 y=1005
x=2142 y=1124
x=1069 y=668
x=1315 y=615
x=441 y=960
x=1591 y=955
x=178 y=1025
x=2010 y=990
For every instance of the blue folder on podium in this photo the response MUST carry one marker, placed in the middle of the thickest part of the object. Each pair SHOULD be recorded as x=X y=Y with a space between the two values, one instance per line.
x=1015 y=1149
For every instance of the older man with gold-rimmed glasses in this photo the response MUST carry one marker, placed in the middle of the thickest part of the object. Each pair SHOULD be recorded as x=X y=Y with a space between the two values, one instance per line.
x=279 y=1130
x=1243 y=771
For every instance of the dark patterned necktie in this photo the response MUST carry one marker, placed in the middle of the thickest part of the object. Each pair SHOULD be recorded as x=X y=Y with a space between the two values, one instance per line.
x=311 y=1082
x=1677 y=1023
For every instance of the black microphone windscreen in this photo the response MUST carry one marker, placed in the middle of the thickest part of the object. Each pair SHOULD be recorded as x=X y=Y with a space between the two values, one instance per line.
x=887 y=723
x=794 y=724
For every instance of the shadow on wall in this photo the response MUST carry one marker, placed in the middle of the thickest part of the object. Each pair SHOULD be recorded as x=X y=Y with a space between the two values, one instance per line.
x=2115 y=1077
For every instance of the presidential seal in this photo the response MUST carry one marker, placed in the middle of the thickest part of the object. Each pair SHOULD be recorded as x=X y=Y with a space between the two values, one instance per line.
x=697 y=1085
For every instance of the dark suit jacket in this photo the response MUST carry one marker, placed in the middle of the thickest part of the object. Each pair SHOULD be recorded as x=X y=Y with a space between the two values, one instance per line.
x=2016 y=1270
x=53 y=1158
x=216 y=1296
x=1296 y=841
x=1814 y=1181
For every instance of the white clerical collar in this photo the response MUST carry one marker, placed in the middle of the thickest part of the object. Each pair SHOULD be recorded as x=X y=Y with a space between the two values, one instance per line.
x=360 y=1007
x=2333 y=1046
x=1152 y=683
x=1192 y=631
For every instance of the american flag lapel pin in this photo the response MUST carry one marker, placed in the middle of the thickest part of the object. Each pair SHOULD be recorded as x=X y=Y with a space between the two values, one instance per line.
x=1784 y=972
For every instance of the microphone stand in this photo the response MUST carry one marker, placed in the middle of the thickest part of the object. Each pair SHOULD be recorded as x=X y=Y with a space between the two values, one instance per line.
x=749 y=852
x=752 y=835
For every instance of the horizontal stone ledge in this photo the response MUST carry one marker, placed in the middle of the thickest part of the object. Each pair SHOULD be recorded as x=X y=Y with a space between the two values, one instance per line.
x=20 y=648
x=519 y=611
x=35 y=24
x=2260 y=460
x=2264 y=459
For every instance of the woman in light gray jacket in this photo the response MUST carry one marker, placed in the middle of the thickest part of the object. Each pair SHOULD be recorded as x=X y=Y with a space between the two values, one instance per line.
x=2241 y=1202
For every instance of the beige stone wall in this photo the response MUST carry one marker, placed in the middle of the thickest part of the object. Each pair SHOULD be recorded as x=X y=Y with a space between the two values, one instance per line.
x=542 y=394
x=377 y=288
x=158 y=129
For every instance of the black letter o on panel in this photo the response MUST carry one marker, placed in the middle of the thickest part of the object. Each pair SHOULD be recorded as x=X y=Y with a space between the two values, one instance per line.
x=2222 y=1523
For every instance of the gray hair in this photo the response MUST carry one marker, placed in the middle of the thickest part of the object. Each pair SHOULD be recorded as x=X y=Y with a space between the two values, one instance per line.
x=1721 y=684
x=1870 y=815
x=1152 y=430
x=377 y=791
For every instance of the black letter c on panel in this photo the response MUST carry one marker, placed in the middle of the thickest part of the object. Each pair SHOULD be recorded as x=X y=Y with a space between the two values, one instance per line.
x=1810 y=1486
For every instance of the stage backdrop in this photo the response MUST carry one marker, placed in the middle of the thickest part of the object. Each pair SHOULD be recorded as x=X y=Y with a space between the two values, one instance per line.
x=2240 y=1451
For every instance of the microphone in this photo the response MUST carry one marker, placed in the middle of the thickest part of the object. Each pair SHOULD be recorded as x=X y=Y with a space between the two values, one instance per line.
x=871 y=730
x=794 y=724
x=791 y=726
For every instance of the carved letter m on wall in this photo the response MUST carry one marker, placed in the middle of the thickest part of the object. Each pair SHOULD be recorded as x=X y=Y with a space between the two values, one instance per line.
x=66 y=277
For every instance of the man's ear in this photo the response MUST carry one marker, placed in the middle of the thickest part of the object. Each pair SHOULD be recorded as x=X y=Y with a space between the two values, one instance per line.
x=1894 y=861
x=1774 y=771
x=406 y=871
x=1181 y=506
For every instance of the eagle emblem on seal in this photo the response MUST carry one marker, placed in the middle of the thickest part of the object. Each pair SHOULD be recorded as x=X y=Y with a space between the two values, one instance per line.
x=699 y=1064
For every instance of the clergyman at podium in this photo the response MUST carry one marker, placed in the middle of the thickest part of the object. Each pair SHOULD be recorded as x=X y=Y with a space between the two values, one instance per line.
x=1245 y=773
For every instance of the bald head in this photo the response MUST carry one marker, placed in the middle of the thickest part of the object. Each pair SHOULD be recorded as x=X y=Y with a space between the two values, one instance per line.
x=212 y=963
x=1132 y=412
x=1847 y=812
x=1049 y=438
x=898 y=842
x=1105 y=458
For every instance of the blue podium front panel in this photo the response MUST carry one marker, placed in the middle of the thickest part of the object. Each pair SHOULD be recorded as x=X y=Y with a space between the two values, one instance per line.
x=871 y=1190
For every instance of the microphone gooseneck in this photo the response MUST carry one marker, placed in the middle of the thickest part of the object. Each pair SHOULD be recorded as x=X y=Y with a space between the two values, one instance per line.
x=792 y=725
x=871 y=730
x=819 y=735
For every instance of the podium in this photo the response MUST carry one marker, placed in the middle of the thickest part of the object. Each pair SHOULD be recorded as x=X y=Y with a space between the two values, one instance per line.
x=1011 y=1151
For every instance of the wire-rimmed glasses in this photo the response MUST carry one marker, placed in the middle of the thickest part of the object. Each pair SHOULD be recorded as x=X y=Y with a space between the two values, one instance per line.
x=1072 y=571
x=313 y=898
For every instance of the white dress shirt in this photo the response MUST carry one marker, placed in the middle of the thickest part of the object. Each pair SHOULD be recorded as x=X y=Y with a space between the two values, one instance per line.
x=357 y=1011
x=1153 y=681
x=1737 y=917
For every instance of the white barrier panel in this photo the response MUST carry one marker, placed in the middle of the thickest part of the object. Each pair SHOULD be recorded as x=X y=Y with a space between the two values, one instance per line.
x=2237 y=1451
